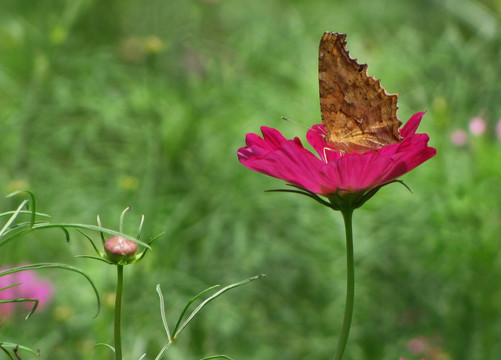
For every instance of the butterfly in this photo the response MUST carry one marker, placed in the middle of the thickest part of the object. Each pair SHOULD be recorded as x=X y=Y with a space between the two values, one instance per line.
x=357 y=113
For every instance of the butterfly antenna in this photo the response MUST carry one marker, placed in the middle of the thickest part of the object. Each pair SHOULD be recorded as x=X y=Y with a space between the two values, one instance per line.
x=294 y=122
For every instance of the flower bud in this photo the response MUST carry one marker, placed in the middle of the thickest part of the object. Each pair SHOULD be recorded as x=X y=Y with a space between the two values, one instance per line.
x=120 y=250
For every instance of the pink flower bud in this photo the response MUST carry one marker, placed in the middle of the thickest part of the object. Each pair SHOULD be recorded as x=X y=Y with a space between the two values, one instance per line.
x=120 y=249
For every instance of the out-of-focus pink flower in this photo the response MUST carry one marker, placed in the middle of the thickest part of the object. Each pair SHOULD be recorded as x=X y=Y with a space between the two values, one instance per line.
x=459 y=137
x=427 y=347
x=419 y=345
x=477 y=126
x=30 y=286
x=333 y=173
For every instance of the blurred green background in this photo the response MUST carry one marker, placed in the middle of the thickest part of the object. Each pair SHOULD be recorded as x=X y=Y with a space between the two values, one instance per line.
x=105 y=104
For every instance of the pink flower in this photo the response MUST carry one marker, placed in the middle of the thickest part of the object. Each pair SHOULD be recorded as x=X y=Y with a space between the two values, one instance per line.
x=419 y=345
x=459 y=137
x=477 y=126
x=498 y=129
x=30 y=287
x=332 y=173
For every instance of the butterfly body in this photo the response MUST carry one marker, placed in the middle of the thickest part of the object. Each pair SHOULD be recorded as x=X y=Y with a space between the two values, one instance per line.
x=357 y=113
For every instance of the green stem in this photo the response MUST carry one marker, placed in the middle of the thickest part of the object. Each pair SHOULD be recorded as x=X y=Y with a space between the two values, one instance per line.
x=118 y=312
x=350 y=284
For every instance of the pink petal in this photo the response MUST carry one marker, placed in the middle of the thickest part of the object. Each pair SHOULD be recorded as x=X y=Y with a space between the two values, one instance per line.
x=287 y=160
x=358 y=172
x=316 y=138
x=411 y=125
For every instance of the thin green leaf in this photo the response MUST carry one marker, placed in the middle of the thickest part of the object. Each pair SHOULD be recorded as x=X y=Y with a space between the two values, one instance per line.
x=17 y=232
x=23 y=212
x=56 y=266
x=33 y=308
x=373 y=191
x=162 y=351
x=19 y=225
x=100 y=224
x=141 y=255
x=206 y=301
x=189 y=304
x=33 y=202
x=140 y=228
x=162 y=312
x=179 y=328
x=10 y=286
x=91 y=242
x=404 y=184
x=217 y=357
x=9 y=345
x=25 y=228
x=305 y=192
x=12 y=218
x=121 y=226
x=93 y=228
x=155 y=237
x=93 y=258
x=6 y=352
x=106 y=346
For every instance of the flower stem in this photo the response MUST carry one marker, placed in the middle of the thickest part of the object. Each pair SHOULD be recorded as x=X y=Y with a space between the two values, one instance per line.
x=118 y=312
x=350 y=284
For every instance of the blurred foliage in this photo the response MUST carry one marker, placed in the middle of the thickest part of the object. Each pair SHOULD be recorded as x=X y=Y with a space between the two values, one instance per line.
x=115 y=103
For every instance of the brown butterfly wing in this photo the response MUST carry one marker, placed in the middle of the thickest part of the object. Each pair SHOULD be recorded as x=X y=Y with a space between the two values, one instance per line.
x=357 y=113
